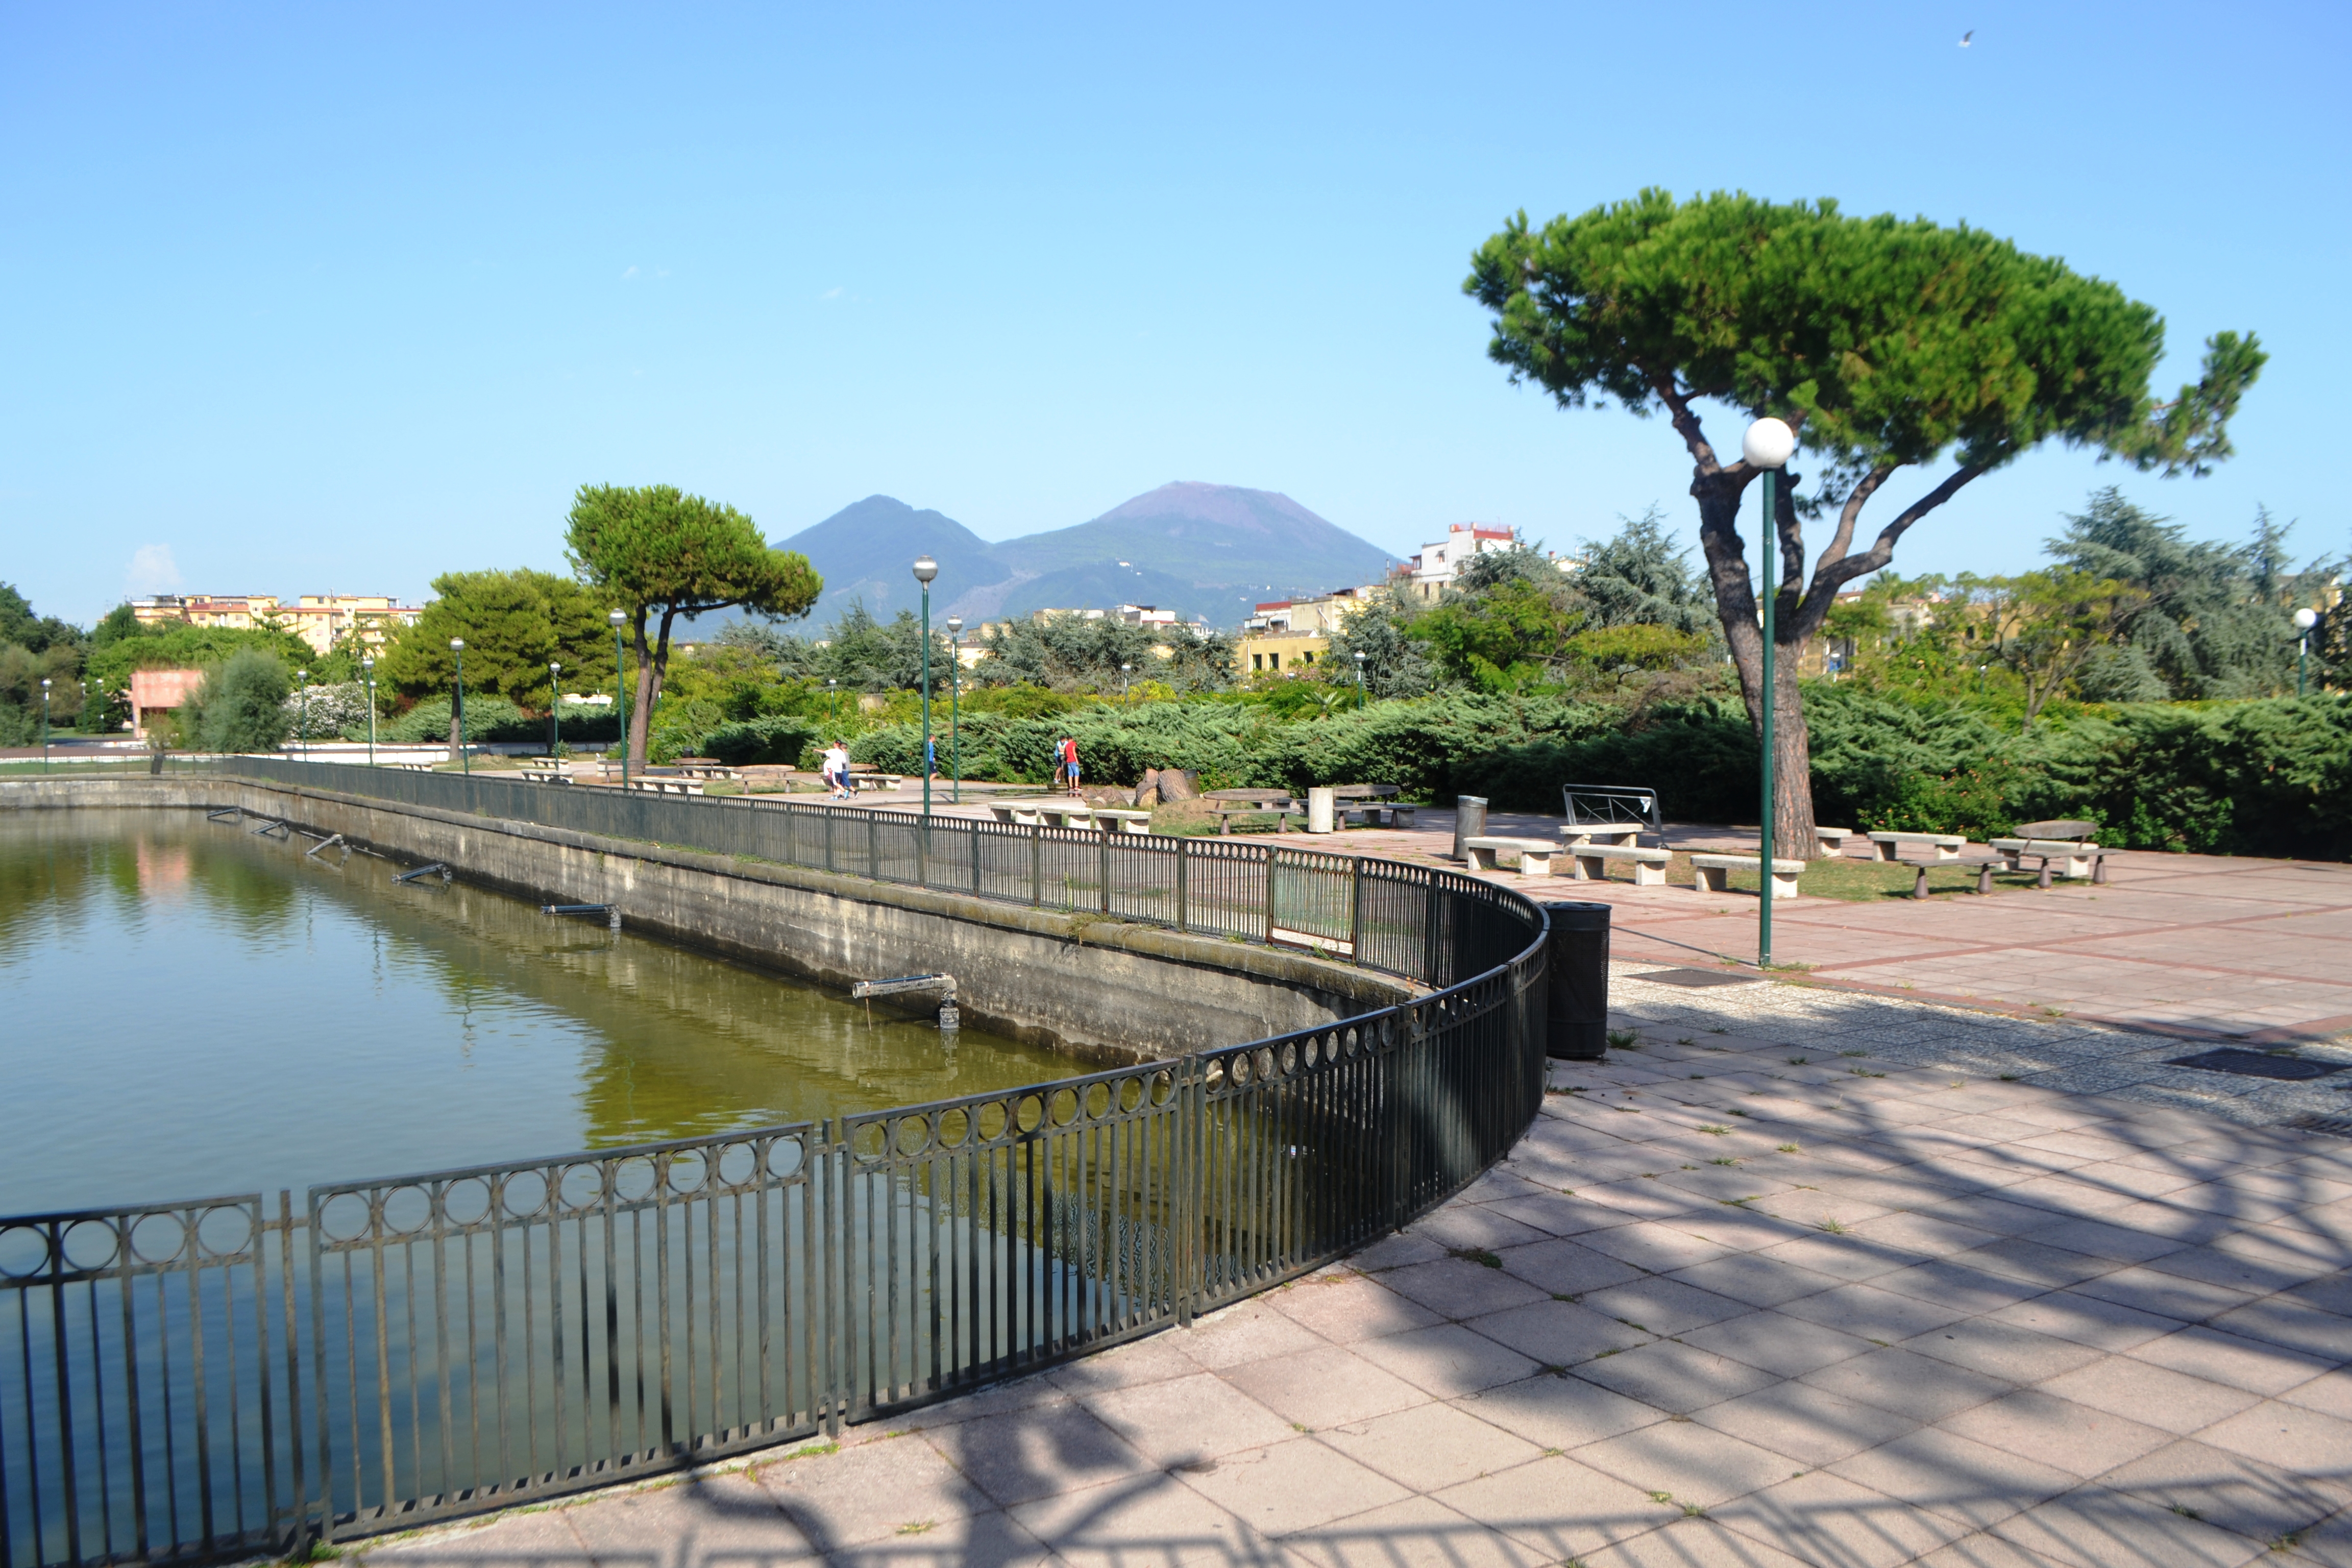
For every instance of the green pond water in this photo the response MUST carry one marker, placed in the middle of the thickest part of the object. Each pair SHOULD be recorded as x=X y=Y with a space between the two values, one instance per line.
x=186 y=1009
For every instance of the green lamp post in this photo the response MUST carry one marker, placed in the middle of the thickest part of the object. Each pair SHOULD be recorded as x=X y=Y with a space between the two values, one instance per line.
x=924 y=570
x=458 y=709
x=955 y=681
x=303 y=713
x=2304 y=619
x=45 y=724
x=554 y=702
x=1769 y=445
x=367 y=675
x=621 y=690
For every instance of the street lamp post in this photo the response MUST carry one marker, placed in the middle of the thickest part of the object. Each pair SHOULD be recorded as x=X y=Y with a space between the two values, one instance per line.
x=1769 y=445
x=924 y=570
x=621 y=693
x=2304 y=619
x=1125 y=672
x=833 y=699
x=1360 y=697
x=457 y=708
x=45 y=724
x=955 y=684
x=367 y=674
x=303 y=713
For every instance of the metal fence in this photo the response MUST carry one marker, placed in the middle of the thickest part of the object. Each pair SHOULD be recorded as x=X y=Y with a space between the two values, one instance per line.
x=212 y=1378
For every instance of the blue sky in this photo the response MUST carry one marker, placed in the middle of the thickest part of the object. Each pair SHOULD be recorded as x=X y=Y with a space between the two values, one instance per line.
x=336 y=297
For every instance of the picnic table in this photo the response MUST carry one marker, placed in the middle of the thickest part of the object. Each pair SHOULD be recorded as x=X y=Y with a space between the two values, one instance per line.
x=1227 y=804
x=1365 y=801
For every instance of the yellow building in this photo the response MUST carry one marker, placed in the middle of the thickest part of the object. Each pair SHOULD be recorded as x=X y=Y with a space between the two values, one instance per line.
x=1284 y=652
x=319 y=619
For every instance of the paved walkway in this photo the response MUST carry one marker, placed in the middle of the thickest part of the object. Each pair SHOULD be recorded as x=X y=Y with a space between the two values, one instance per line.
x=2200 y=946
x=1801 y=1280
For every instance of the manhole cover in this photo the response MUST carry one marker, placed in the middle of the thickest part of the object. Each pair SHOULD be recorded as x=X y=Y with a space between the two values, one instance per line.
x=2256 y=1064
x=1696 y=977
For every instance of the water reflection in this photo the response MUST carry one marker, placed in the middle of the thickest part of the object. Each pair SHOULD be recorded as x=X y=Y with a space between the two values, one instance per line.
x=198 y=1009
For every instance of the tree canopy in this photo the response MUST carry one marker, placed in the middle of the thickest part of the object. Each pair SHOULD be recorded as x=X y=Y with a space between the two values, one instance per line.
x=514 y=624
x=659 y=550
x=1885 y=345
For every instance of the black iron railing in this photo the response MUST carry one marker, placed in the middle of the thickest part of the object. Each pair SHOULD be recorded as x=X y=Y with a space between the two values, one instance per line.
x=236 y=1374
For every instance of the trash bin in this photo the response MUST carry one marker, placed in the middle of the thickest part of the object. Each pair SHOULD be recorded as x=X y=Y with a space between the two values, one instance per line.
x=1576 y=1023
x=1321 y=801
x=1469 y=822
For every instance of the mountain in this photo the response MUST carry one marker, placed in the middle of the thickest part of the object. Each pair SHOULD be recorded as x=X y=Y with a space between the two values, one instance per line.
x=1203 y=549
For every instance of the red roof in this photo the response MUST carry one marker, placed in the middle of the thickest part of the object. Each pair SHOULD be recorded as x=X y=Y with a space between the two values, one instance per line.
x=1277 y=605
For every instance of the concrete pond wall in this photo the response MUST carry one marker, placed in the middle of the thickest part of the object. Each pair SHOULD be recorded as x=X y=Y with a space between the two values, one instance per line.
x=1103 y=989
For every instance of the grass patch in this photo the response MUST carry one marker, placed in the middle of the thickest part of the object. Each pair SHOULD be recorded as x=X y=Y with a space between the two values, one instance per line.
x=1479 y=1256
x=1624 y=1039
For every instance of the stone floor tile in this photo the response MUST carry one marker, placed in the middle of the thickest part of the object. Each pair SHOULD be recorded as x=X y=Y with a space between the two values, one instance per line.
x=1660 y=1248
x=1020 y=1458
x=1915 y=1385
x=1661 y=1306
x=1955 y=1476
x=1985 y=1549
x=1467 y=1223
x=1566 y=1268
x=1431 y=1446
x=2095 y=1527
x=2330 y=1394
x=2240 y=1362
x=2035 y=1263
x=1868 y=1313
x=2300 y=1441
x=1033 y=1392
x=1187 y=1419
x=1349 y=1307
x=1697 y=1464
x=1153 y=1519
x=1671 y=1377
x=1154 y=1359
x=2001 y=1349
x=1557 y=1413
x=2259 y=1501
x=1756 y=1280
x=541 y=1537
x=2057 y=1432
x=1457 y=1287
x=1809 y=1425
x=1826 y=1519
x=1845 y=1259
x=1558 y=1333
x=2101 y=1239
x=2086 y=1320
x=2150 y=1394
x=1565 y=1509
x=1399 y=1251
x=2279 y=1320
x=1419 y=1533
x=1555 y=1218
x=1293 y=1486
x=1777 y=1343
x=1448 y=1360
x=1692 y=1543
x=866 y=1493
x=2168 y=1295
x=1248 y=1331
x=1322 y=1387
x=2218 y=1265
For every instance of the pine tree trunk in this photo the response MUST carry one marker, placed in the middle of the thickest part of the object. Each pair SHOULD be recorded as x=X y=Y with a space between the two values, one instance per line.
x=1719 y=497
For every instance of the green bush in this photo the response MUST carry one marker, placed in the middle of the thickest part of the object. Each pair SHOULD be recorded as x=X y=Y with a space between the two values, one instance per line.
x=488 y=716
x=241 y=705
x=781 y=739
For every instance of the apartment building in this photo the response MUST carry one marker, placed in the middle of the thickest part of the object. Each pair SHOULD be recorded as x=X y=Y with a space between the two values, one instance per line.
x=321 y=620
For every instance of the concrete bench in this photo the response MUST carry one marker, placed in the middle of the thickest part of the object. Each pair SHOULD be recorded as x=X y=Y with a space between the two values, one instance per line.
x=1590 y=862
x=1714 y=872
x=543 y=775
x=667 y=786
x=1224 y=811
x=1121 y=819
x=1535 y=854
x=1946 y=845
x=1832 y=838
x=1028 y=813
x=1380 y=815
x=1624 y=835
x=2080 y=859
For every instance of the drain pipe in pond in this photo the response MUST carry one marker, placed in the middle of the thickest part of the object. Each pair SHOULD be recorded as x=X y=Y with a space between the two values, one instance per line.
x=951 y=1020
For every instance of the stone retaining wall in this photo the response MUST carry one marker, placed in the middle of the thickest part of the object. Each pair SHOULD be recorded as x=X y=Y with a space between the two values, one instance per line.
x=1103 y=989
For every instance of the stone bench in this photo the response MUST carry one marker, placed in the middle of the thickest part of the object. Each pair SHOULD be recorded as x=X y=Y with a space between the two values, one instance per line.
x=1621 y=834
x=1714 y=872
x=1224 y=811
x=667 y=786
x=1946 y=845
x=1535 y=854
x=1121 y=819
x=1380 y=815
x=2079 y=859
x=542 y=776
x=1832 y=840
x=1026 y=813
x=1590 y=862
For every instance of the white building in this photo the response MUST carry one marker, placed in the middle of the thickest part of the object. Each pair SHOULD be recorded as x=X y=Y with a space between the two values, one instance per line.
x=1436 y=568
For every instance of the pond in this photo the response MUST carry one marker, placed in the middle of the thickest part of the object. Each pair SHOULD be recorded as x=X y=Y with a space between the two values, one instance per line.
x=194 y=1010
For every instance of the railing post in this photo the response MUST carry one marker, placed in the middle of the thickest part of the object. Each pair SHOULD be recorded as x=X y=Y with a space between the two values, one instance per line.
x=972 y=836
x=1104 y=855
x=1187 y=1268
x=1271 y=856
x=873 y=847
x=923 y=853
x=1356 y=908
x=1036 y=866
x=1183 y=860
x=829 y=815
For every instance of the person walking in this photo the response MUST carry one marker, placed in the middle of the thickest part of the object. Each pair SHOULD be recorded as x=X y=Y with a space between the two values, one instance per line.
x=1070 y=755
x=836 y=770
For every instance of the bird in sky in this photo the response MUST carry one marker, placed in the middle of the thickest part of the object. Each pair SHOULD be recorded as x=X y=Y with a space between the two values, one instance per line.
x=1966 y=37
